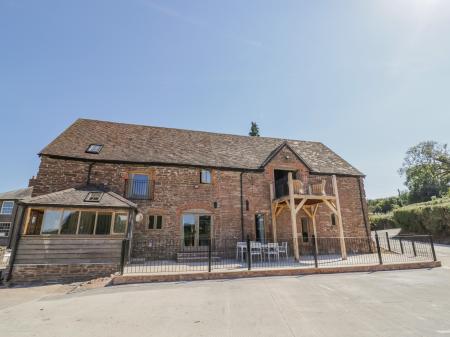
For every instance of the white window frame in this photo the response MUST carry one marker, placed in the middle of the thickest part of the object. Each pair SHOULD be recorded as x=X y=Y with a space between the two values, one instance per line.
x=94 y=148
x=2 y=210
x=9 y=229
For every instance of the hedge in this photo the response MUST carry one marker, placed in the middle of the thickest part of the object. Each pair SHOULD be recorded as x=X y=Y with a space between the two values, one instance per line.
x=432 y=217
x=382 y=221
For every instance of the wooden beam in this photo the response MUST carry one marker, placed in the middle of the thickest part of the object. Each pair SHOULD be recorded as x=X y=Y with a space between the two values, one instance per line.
x=307 y=212
x=313 y=217
x=300 y=205
x=293 y=217
x=339 y=216
x=278 y=211
x=333 y=209
x=287 y=202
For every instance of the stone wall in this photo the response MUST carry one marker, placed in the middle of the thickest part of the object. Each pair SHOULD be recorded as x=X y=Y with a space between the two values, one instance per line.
x=178 y=189
x=24 y=273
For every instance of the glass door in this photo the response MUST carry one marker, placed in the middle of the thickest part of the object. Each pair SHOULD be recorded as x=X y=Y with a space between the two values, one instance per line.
x=204 y=230
x=196 y=230
x=260 y=230
x=189 y=230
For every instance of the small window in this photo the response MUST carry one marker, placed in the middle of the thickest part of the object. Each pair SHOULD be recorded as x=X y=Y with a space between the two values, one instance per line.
x=103 y=226
x=4 y=228
x=333 y=219
x=94 y=148
x=51 y=222
x=87 y=223
x=155 y=222
x=69 y=222
x=205 y=176
x=94 y=196
x=138 y=187
x=305 y=229
x=120 y=223
x=7 y=207
x=35 y=222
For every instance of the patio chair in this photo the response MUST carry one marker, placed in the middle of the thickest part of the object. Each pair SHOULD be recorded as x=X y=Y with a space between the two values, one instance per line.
x=256 y=249
x=241 y=248
x=298 y=186
x=273 y=249
x=283 y=249
x=318 y=187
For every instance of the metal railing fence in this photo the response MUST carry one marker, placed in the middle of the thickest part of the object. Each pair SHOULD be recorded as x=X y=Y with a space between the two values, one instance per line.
x=172 y=256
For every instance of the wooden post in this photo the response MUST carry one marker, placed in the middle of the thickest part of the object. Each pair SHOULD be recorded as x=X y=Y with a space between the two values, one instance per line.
x=339 y=218
x=273 y=209
x=314 y=228
x=312 y=215
x=293 y=217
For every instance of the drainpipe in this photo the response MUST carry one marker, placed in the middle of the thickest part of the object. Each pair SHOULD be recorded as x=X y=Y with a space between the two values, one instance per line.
x=88 y=180
x=242 y=206
x=361 y=198
x=15 y=244
x=11 y=235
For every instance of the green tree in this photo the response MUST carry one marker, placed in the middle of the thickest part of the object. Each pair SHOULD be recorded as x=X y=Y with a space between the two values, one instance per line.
x=427 y=170
x=254 y=130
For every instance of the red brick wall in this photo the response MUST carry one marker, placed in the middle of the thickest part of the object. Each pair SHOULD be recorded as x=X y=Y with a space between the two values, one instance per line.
x=178 y=189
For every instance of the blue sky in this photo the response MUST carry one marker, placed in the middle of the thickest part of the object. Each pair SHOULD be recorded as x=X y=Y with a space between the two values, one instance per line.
x=367 y=78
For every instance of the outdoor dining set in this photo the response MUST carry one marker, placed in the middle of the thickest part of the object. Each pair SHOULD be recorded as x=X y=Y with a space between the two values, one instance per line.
x=270 y=250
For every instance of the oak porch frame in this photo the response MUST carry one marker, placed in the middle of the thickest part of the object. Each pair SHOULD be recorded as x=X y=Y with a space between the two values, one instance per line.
x=289 y=202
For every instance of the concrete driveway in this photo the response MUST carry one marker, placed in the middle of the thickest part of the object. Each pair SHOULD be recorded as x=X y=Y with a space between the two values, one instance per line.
x=400 y=303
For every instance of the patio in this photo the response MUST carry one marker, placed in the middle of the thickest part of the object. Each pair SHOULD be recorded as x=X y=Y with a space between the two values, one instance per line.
x=306 y=261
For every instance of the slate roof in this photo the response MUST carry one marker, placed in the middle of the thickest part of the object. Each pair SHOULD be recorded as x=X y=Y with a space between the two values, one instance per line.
x=157 y=145
x=17 y=194
x=76 y=197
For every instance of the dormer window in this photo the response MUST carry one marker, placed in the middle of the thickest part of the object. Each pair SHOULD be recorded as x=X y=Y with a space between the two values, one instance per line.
x=94 y=196
x=205 y=176
x=94 y=148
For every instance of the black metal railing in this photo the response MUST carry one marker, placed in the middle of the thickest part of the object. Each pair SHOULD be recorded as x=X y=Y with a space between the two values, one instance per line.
x=306 y=185
x=172 y=256
x=137 y=189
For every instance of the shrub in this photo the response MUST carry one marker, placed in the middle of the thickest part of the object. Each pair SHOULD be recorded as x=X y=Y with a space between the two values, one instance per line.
x=382 y=221
x=432 y=217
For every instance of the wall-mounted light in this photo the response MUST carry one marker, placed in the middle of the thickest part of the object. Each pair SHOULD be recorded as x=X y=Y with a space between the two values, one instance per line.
x=216 y=204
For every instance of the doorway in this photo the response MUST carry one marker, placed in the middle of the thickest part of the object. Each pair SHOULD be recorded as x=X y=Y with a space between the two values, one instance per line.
x=281 y=182
x=196 y=230
x=260 y=228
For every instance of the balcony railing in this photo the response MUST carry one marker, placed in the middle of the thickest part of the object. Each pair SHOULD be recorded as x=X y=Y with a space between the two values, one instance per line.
x=137 y=189
x=307 y=185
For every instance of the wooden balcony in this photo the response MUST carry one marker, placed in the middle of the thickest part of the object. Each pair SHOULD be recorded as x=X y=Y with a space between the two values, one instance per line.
x=306 y=194
x=313 y=187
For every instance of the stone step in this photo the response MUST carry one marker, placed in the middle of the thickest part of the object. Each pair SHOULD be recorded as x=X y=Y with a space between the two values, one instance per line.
x=196 y=257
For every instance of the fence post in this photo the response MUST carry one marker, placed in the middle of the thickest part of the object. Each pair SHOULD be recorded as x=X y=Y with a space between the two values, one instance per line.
x=377 y=240
x=316 y=263
x=401 y=246
x=122 y=255
x=249 y=255
x=388 y=242
x=432 y=248
x=209 y=254
x=414 y=247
